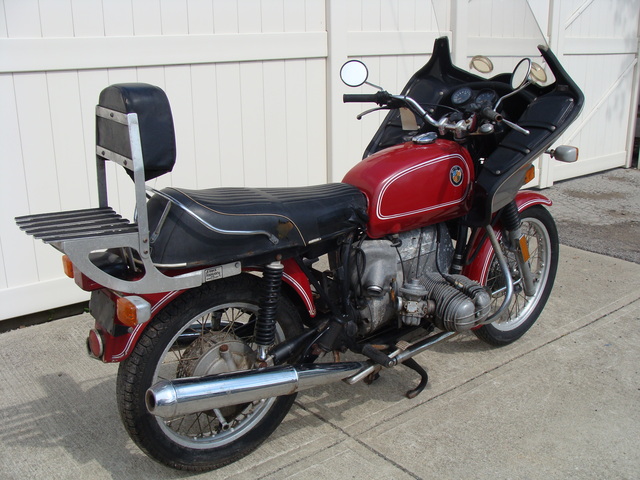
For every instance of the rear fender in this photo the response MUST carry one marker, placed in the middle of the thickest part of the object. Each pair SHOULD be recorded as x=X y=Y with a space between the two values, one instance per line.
x=295 y=278
x=479 y=268
x=118 y=348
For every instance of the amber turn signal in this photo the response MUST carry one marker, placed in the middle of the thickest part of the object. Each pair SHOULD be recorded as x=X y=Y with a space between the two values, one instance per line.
x=67 y=266
x=132 y=311
x=127 y=312
x=530 y=175
x=524 y=248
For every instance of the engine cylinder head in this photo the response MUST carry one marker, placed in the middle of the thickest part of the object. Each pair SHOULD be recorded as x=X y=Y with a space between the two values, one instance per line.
x=460 y=307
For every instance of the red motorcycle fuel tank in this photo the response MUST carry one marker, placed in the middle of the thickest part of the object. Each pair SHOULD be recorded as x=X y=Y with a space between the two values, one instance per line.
x=410 y=186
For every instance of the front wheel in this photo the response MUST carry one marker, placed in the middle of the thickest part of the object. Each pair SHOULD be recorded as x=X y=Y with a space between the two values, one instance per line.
x=205 y=331
x=542 y=239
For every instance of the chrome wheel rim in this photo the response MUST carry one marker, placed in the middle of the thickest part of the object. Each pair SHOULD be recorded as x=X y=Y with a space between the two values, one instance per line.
x=521 y=306
x=221 y=324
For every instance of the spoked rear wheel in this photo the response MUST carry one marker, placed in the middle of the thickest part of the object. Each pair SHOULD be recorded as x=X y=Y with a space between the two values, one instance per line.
x=205 y=331
x=523 y=311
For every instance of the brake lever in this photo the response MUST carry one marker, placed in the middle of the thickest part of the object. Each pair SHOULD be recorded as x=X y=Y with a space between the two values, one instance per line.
x=516 y=127
x=371 y=110
x=493 y=115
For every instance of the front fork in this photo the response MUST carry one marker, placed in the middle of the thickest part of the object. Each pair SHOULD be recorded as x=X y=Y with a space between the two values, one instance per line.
x=517 y=242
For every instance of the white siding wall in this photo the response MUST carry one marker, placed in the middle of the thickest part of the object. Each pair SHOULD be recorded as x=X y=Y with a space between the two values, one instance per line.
x=598 y=44
x=255 y=95
x=246 y=81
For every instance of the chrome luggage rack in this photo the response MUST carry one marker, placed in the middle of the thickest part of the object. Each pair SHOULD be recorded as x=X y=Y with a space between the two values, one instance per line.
x=79 y=233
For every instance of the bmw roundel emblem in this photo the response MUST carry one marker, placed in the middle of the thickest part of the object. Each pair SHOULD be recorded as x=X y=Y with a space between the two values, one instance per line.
x=456 y=175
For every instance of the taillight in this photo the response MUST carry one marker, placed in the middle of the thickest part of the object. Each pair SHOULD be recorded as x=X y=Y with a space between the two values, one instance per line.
x=95 y=344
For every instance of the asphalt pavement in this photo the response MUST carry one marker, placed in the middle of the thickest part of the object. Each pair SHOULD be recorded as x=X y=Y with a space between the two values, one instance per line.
x=562 y=402
x=600 y=213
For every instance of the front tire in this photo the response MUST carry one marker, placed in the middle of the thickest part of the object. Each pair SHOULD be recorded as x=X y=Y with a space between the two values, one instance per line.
x=185 y=340
x=541 y=233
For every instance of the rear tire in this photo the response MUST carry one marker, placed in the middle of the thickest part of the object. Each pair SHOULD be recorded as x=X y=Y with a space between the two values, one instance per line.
x=184 y=340
x=542 y=238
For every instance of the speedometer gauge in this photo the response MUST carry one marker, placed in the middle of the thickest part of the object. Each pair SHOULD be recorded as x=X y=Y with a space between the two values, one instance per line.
x=486 y=97
x=461 y=96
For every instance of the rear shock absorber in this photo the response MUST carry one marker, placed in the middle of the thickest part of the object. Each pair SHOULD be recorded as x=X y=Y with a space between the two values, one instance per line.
x=265 y=330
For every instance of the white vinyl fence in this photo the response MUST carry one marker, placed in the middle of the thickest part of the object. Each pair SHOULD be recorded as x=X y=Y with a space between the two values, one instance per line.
x=255 y=95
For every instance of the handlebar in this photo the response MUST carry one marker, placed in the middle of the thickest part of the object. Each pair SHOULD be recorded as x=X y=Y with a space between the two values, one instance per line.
x=381 y=98
x=491 y=114
x=459 y=128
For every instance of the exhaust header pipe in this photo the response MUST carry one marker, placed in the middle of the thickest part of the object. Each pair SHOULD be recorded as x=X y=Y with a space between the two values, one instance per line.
x=184 y=396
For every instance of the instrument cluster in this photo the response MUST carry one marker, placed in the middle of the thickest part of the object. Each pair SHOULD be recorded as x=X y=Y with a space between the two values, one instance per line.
x=473 y=100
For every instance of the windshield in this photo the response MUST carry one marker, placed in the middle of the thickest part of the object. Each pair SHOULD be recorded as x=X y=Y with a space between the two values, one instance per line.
x=502 y=31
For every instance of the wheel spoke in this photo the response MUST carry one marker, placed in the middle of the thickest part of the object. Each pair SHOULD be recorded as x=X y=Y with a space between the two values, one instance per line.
x=522 y=306
x=231 y=324
x=186 y=340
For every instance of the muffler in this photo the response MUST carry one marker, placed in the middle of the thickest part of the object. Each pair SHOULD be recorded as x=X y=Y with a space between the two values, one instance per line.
x=183 y=396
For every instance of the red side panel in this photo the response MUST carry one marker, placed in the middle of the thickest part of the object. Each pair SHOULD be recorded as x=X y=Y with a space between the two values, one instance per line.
x=479 y=269
x=410 y=186
x=296 y=278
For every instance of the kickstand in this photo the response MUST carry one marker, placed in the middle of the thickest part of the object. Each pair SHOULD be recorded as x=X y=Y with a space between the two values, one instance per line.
x=424 y=378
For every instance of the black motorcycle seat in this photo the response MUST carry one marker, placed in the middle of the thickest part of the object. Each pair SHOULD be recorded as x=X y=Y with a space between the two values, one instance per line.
x=296 y=217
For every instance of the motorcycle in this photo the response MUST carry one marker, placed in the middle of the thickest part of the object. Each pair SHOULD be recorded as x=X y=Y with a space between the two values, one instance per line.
x=212 y=300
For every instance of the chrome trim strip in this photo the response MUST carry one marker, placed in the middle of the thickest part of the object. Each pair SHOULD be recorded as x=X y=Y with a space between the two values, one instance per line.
x=389 y=181
x=206 y=224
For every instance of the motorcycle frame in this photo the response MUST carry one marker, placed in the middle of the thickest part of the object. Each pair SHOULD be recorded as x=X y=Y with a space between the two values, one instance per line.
x=118 y=348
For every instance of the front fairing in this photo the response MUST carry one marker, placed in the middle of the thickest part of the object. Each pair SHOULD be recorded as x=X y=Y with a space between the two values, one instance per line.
x=430 y=86
x=545 y=109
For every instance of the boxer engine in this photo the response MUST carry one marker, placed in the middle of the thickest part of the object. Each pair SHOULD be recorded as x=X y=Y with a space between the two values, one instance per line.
x=402 y=278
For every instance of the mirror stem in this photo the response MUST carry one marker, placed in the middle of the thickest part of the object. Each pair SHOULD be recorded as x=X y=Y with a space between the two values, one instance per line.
x=374 y=86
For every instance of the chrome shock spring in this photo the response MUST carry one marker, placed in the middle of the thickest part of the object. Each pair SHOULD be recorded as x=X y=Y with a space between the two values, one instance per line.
x=265 y=330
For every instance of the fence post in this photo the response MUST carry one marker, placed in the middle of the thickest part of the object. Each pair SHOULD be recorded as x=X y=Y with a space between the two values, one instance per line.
x=337 y=52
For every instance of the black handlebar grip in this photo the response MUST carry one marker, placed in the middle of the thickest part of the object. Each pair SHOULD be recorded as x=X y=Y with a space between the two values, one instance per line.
x=491 y=114
x=360 y=97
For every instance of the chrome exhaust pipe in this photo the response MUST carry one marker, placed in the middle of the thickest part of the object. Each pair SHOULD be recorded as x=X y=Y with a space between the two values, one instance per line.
x=183 y=396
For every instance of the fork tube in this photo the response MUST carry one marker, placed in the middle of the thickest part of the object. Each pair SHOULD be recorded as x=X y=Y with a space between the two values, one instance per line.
x=504 y=266
x=512 y=223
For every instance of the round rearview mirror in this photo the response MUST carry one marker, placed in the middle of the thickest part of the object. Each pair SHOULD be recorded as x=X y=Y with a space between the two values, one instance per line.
x=354 y=73
x=538 y=74
x=521 y=74
x=481 y=64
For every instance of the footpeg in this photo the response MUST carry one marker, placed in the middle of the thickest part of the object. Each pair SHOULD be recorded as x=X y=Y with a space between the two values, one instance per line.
x=377 y=356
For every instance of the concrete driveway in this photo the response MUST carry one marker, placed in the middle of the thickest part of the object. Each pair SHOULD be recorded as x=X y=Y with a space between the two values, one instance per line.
x=563 y=402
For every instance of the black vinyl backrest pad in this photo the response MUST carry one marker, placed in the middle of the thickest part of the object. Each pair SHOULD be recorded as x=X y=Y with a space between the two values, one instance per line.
x=157 y=134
